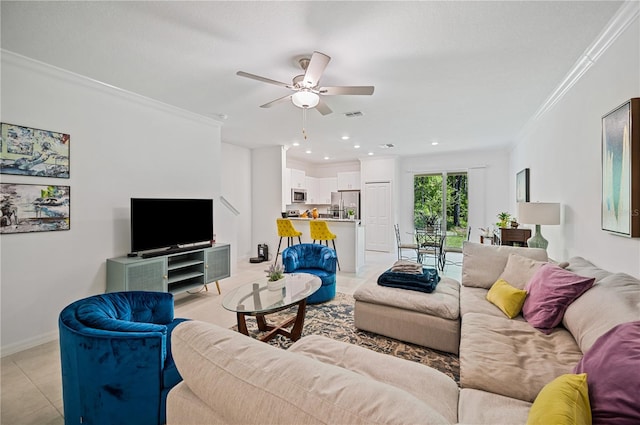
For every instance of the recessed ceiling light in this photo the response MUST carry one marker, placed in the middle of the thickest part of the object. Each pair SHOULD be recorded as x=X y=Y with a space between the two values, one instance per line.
x=370 y=153
x=296 y=143
x=345 y=137
x=326 y=157
x=434 y=143
x=356 y=146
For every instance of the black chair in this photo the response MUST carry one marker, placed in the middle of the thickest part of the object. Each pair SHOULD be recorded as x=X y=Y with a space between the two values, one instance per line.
x=431 y=245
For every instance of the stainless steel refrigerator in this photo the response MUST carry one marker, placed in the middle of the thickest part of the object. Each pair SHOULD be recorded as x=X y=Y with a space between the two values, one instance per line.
x=343 y=201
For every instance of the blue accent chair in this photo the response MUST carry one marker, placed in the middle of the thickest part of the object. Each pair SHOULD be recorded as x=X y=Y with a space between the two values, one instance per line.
x=315 y=259
x=115 y=352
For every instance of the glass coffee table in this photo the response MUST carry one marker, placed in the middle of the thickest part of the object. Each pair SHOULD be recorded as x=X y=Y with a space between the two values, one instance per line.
x=255 y=299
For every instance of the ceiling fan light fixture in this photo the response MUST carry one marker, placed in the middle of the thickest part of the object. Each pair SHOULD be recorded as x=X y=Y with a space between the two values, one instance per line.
x=305 y=99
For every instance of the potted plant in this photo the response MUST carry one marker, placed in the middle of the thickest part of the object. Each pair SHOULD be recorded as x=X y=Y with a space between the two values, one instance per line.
x=351 y=213
x=275 y=273
x=504 y=219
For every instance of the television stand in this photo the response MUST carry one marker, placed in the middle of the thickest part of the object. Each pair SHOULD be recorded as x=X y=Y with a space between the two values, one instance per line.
x=190 y=268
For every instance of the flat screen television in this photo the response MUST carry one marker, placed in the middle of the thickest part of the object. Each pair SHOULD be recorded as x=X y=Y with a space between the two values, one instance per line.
x=169 y=223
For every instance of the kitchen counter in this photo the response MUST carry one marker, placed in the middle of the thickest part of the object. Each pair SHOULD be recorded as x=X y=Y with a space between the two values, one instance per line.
x=349 y=240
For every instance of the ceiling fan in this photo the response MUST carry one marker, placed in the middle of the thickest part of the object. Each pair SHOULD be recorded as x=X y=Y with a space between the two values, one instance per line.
x=307 y=87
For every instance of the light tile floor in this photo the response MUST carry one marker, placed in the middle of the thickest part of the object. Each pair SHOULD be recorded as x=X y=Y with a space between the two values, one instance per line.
x=31 y=390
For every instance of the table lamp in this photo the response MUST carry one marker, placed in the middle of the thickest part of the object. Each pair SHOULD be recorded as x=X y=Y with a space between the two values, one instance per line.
x=538 y=213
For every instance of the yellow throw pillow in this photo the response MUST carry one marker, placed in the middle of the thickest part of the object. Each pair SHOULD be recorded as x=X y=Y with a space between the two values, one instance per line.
x=565 y=400
x=506 y=298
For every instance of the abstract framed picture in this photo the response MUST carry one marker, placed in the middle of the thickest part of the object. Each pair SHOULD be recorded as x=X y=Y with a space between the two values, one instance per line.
x=621 y=170
x=29 y=208
x=522 y=186
x=30 y=151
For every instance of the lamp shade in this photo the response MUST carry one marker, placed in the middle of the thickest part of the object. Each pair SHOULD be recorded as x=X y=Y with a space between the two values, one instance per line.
x=539 y=212
x=305 y=99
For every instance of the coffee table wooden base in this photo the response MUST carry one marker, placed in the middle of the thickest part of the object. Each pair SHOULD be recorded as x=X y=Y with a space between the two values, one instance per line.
x=272 y=330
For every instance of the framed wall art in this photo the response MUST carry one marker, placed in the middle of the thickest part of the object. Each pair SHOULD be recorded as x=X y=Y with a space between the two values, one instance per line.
x=30 y=151
x=621 y=170
x=34 y=208
x=522 y=186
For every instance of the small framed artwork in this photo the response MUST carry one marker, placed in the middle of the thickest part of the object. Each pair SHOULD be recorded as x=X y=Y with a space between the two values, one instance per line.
x=522 y=186
x=621 y=170
x=30 y=151
x=29 y=208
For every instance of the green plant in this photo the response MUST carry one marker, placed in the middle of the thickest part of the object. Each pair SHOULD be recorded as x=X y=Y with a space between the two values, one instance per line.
x=275 y=272
x=504 y=219
x=351 y=211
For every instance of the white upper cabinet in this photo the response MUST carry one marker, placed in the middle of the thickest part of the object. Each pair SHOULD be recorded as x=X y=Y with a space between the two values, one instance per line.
x=297 y=179
x=349 y=180
x=311 y=184
x=325 y=187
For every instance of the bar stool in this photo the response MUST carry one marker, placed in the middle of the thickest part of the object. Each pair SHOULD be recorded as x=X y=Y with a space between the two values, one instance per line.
x=286 y=230
x=320 y=232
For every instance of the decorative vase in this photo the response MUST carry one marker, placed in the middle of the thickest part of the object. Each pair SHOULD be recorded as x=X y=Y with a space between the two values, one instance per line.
x=314 y=213
x=274 y=285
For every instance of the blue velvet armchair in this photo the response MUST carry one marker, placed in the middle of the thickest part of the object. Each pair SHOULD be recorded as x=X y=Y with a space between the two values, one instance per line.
x=315 y=259
x=116 y=358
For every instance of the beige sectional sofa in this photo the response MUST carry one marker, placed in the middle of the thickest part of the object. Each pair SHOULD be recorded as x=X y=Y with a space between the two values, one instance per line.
x=230 y=378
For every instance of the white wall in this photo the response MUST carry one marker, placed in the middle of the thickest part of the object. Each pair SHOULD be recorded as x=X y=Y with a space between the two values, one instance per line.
x=488 y=174
x=122 y=145
x=235 y=175
x=267 y=166
x=562 y=149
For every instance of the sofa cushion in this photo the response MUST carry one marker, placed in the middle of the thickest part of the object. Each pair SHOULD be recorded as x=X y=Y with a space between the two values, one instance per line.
x=408 y=376
x=443 y=302
x=551 y=290
x=474 y=300
x=613 y=300
x=481 y=407
x=482 y=264
x=226 y=369
x=506 y=298
x=563 y=401
x=519 y=270
x=612 y=366
x=583 y=267
x=511 y=358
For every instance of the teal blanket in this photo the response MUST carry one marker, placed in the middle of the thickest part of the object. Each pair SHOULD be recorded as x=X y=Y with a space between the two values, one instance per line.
x=425 y=282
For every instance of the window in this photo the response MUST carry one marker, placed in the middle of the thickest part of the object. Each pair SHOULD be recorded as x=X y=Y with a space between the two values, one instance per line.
x=442 y=200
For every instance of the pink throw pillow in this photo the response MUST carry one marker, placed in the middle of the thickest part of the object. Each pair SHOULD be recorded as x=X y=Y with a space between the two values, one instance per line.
x=551 y=290
x=612 y=366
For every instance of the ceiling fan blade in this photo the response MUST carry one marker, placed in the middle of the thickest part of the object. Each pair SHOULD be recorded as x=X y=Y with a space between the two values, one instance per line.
x=263 y=79
x=323 y=108
x=346 y=90
x=316 y=67
x=275 y=102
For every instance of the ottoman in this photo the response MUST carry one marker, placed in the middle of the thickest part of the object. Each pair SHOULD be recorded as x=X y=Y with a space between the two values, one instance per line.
x=427 y=319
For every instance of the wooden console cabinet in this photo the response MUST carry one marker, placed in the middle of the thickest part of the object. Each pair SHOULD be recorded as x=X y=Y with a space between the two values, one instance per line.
x=513 y=237
x=175 y=273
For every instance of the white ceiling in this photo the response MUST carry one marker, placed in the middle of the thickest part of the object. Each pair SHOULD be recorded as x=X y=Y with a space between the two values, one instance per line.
x=469 y=75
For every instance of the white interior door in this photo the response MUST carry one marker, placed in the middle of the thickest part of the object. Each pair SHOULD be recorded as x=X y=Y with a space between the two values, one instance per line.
x=378 y=216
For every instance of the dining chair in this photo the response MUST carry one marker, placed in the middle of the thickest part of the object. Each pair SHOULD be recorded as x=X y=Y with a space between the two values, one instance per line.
x=401 y=246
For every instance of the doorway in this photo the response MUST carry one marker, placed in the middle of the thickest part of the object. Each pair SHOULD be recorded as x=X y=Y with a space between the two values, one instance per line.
x=442 y=200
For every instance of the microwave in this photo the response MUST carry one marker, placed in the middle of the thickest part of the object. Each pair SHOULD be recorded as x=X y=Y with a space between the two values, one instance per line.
x=298 y=195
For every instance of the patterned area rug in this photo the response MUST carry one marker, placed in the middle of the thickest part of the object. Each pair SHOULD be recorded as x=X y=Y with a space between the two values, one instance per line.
x=334 y=319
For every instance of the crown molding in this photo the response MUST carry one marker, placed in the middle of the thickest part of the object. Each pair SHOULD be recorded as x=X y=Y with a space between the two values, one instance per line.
x=617 y=25
x=24 y=62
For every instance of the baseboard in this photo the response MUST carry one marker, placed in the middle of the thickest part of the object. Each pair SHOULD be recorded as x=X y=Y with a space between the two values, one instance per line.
x=16 y=347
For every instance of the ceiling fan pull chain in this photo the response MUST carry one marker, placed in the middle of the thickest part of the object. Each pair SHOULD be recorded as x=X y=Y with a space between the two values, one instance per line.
x=304 y=122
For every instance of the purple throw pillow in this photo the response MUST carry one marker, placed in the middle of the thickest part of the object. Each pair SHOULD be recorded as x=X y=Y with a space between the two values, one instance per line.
x=551 y=290
x=612 y=366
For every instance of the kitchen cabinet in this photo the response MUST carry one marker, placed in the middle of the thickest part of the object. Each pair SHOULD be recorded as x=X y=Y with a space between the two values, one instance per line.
x=349 y=180
x=325 y=187
x=297 y=179
x=311 y=184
